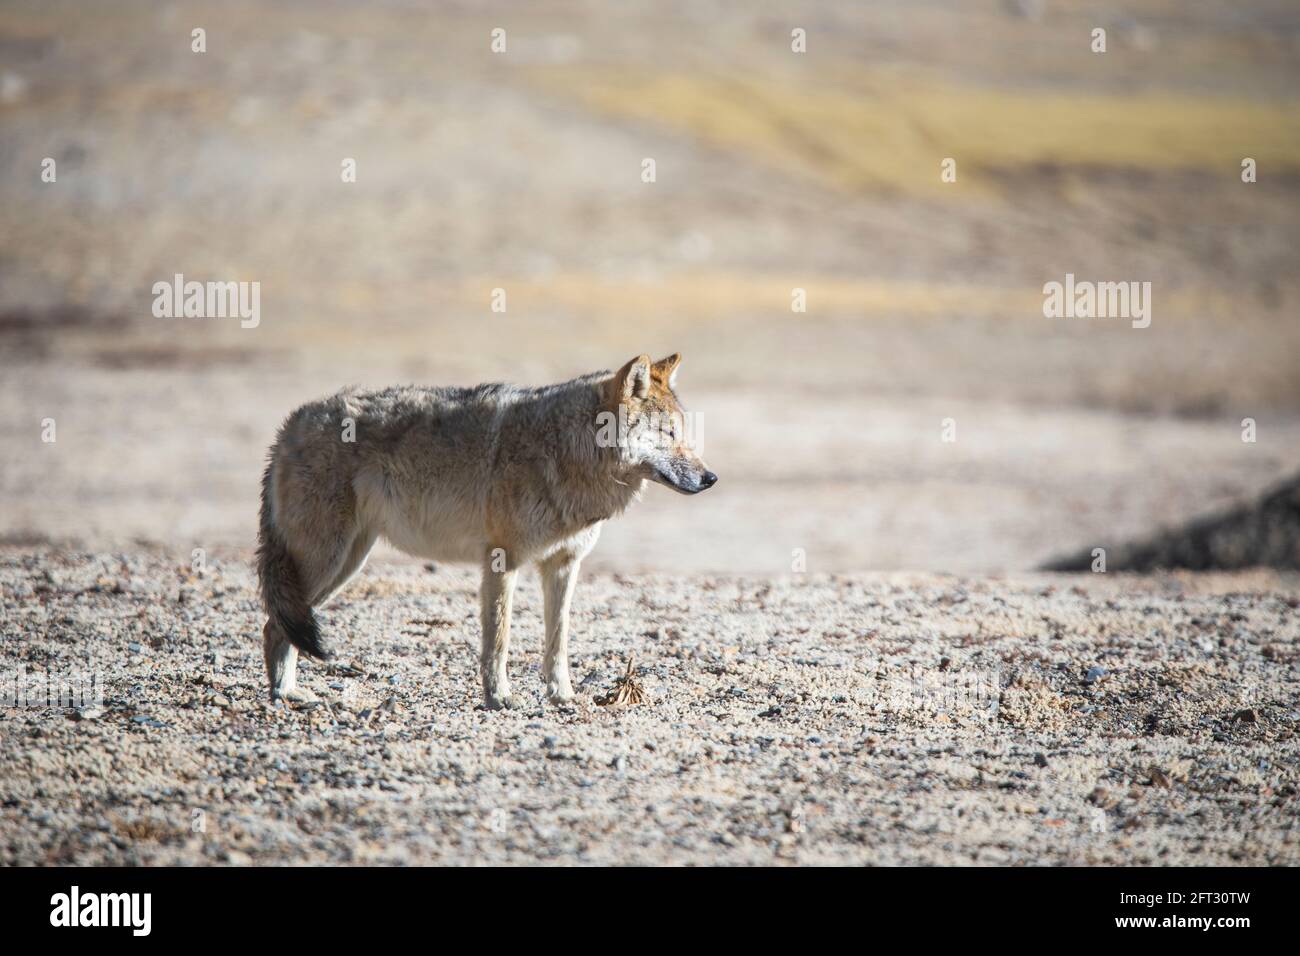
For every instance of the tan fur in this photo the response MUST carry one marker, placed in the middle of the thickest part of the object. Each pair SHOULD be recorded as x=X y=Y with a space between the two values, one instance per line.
x=498 y=475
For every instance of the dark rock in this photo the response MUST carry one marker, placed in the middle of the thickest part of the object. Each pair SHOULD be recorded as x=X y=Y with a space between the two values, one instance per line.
x=1265 y=532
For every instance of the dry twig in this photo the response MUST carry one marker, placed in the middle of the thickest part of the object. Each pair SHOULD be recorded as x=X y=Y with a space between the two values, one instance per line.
x=627 y=691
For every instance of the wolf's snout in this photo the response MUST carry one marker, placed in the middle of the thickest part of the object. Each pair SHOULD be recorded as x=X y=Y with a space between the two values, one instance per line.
x=708 y=480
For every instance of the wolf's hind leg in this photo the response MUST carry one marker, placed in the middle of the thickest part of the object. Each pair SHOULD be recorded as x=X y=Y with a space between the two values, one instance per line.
x=323 y=565
x=353 y=560
x=559 y=574
x=334 y=567
x=496 y=598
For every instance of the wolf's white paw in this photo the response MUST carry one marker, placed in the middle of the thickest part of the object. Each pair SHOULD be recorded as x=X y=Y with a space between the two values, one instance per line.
x=503 y=702
x=296 y=695
x=559 y=695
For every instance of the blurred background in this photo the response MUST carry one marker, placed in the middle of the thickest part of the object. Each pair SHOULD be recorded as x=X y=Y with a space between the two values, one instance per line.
x=774 y=171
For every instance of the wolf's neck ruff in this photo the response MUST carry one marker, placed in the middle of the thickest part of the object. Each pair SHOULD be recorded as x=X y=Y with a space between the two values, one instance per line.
x=590 y=477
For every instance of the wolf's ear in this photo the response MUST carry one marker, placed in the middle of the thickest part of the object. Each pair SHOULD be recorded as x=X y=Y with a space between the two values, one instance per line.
x=665 y=370
x=634 y=378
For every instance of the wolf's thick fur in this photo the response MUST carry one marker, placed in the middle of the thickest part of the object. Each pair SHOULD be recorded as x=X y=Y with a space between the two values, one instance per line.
x=498 y=475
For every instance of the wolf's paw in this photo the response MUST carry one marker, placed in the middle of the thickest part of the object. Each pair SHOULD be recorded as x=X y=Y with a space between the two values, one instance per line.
x=558 y=685
x=295 y=695
x=503 y=702
x=560 y=696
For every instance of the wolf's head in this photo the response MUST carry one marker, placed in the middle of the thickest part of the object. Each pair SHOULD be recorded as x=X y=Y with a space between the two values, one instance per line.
x=655 y=436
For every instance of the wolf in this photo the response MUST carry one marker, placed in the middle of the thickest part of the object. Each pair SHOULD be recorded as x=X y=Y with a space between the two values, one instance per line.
x=501 y=476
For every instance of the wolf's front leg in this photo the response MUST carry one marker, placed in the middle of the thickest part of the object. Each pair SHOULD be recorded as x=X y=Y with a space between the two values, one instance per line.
x=559 y=573
x=496 y=597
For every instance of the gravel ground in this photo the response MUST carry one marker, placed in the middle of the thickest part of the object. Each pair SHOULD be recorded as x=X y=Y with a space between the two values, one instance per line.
x=776 y=172
x=1097 y=719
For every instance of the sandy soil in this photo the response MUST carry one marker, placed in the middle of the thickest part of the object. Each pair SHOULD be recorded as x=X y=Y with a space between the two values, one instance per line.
x=1098 y=719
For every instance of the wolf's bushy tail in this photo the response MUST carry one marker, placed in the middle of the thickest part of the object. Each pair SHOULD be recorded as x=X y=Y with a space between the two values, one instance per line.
x=282 y=591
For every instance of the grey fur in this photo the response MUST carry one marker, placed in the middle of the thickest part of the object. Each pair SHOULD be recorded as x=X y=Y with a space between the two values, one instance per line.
x=497 y=475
